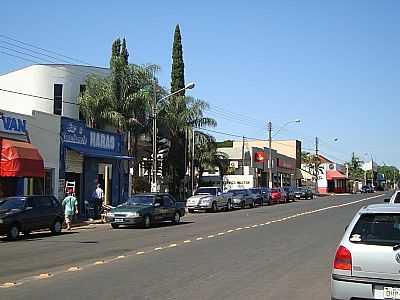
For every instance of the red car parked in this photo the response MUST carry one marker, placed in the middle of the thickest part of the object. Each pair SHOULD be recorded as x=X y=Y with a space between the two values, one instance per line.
x=278 y=195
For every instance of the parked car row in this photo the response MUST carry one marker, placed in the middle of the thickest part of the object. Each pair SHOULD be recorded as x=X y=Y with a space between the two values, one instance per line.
x=213 y=199
x=24 y=214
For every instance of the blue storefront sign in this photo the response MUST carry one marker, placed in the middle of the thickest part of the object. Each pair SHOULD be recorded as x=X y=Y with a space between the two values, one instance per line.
x=76 y=136
x=96 y=146
x=12 y=125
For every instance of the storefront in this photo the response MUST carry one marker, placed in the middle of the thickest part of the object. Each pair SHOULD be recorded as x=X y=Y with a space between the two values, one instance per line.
x=21 y=163
x=87 y=155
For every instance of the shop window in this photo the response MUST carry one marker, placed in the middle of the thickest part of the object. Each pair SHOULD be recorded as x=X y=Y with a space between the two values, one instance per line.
x=36 y=186
x=48 y=182
x=57 y=108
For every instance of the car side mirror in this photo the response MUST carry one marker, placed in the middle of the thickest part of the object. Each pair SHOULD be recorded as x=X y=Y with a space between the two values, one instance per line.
x=157 y=204
x=219 y=194
x=387 y=200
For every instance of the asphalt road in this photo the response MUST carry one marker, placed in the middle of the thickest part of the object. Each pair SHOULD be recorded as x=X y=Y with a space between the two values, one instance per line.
x=277 y=252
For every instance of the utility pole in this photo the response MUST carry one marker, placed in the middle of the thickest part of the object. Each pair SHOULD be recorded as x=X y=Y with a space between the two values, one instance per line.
x=185 y=162
x=154 y=165
x=192 y=165
x=243 y=156
x=316 y=164
x=270 y=154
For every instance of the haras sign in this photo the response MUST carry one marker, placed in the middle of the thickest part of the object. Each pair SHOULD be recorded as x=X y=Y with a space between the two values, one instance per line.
x=12 y=125
x=80 y=137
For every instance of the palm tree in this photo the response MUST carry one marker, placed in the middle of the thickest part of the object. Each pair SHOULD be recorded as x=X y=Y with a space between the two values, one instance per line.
x=207 y=156
x=180 y=115
x=95 y=102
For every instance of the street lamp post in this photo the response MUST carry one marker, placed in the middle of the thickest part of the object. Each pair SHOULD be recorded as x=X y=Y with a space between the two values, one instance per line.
x=154 y=165
x=270 y=147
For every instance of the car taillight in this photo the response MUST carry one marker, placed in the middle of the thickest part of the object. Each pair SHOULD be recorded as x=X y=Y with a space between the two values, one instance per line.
x=342 y=259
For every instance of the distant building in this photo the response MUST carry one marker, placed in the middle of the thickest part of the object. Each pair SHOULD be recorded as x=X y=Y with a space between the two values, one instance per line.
x=250 y=163
x=332 y=177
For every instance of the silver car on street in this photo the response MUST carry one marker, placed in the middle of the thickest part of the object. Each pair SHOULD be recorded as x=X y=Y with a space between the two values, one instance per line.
x=367 y=260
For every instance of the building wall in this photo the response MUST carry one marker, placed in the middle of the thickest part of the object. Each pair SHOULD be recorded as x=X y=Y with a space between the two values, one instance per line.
x=39 y=80
x=44 y=133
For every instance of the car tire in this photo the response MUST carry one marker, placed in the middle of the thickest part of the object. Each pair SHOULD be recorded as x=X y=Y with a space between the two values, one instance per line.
x=252 y=204
x=176 y=219
x=243 y=205
x=269 y=202
x=191 y=210
x=56 y=227
x=147 y=222
x=13 y=232
x=229 y=206
x=214 y=207
x=114 y=226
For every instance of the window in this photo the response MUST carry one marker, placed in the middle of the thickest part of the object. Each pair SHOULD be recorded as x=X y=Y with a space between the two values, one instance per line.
x=159 y=200
x=168 y=201
x=377 y=229
x=48 y=182
x=43 y=202
x=58 y=90
x=82 y=89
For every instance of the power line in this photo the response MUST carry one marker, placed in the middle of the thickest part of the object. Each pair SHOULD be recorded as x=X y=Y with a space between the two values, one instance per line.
x=43 y=49
x=34 y=96
x=76 y=75
x=33 y=51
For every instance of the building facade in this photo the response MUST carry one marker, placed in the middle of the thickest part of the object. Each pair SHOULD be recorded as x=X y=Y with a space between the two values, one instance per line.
x=253 y=162
x=46 y=99
x=29 y=153
x=49 y=88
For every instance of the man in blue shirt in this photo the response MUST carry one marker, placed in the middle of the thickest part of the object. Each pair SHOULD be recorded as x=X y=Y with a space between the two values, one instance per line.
x=70 y=205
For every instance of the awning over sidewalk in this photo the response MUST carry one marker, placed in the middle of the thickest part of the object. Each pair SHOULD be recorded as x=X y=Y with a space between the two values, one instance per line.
x=20 y=159
x=333 y=174
x=100 y=154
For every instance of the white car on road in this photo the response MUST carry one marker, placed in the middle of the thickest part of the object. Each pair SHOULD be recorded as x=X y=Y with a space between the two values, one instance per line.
x=210 y=199
x=367 y=261
x=395 y=197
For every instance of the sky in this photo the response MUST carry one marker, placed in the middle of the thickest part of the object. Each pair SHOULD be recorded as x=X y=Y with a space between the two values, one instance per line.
x=333 y=64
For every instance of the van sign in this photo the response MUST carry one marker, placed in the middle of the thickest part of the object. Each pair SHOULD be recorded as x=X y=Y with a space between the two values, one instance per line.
x=12 y=125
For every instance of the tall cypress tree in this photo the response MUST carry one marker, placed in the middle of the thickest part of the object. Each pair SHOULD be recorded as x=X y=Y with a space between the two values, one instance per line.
x=178 y=68
x=124 y=52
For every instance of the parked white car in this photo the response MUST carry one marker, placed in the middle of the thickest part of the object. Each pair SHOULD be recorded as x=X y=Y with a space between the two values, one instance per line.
x=367 y=260
x=395 y=197
x=210 y=199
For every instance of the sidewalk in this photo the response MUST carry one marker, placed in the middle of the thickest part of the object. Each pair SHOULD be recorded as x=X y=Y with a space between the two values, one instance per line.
x=81 y=223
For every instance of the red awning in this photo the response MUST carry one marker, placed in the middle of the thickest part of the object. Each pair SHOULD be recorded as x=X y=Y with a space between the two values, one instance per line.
x=20 y=159
x=333 y=174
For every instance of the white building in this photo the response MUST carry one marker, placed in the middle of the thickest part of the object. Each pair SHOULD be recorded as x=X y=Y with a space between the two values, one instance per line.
x=332 y=177
x=40 y=131
x=53 y=89
x=37 y=96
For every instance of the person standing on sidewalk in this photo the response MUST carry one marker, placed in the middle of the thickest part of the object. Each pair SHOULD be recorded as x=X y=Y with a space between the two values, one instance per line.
x=97 y=196
x=70 y=205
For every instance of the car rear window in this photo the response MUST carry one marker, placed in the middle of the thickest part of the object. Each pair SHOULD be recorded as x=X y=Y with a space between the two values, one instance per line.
x=377 y=229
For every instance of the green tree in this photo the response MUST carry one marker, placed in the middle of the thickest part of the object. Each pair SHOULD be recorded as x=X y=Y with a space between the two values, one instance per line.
x=391 y=173
x=122 y=99
x=207 y=156
x=95 y=102
x=179 y=115
x=355 y=170
x=178 y=66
